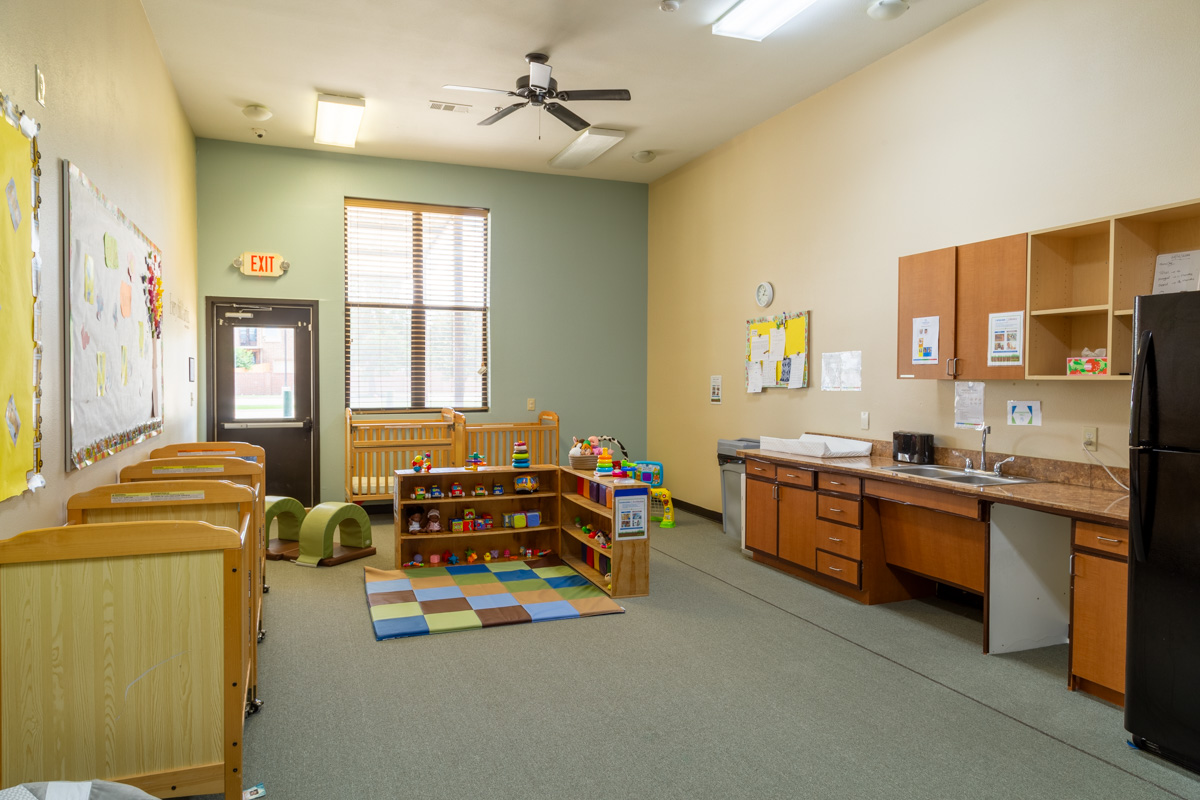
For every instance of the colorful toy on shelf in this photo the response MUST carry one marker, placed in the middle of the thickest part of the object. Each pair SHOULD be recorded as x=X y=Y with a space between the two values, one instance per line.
x=650 y=472
x=446 y=555
x=456 y=489
x=436 y=493
x=520 y=456
x=507 y=553
x=433 y=521
x=579 y=522
x=414 y=519
x=435 y=559
x=507 y=520
x=486 y=519
x=453 y=559
x=471 y=557
x=533 y=518
x=497 y=488
x=602 y=540
x=604 y=464
x=526 y=483
x=422 y=463
x=487 y=556
x=474 y=462
x=418 y=493
x=456 y=526
x=496 y=553
x=587 y=530
x=519 y=520
x=480 y=490
x=468 y=513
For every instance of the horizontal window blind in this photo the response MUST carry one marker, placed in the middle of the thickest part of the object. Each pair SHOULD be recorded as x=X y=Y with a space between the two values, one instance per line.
x=416 y=306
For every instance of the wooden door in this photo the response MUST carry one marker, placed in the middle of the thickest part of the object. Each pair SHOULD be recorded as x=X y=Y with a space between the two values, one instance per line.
x=762 y=513
x=990 y=280
x=1098 y=610
x=926 y=290
x=797 y=526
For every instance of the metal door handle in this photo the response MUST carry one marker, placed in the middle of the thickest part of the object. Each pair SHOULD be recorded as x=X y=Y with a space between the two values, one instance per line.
x=837 y=510
x=835 y=569
x=833 y=539
x=775 y=491
x=835 y=483
x=948 y=371
x=1106 y=539
x=243 y=425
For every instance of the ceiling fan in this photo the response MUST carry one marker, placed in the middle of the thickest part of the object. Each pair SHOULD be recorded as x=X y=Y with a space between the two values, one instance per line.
x=539 y=89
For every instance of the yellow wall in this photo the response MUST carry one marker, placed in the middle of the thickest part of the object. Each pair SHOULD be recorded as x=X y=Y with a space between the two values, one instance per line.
x=111 y=109
x=1018 y=115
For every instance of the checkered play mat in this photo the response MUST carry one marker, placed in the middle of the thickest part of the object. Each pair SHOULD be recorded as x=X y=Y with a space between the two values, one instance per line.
x=414 y=602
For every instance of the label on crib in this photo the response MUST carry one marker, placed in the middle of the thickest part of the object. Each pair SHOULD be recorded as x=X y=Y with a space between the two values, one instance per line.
x=154 y=497
x=187 y=470
x=183 y=453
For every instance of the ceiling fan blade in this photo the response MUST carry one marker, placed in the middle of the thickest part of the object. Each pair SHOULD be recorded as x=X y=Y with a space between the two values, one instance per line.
x=595 y=94
x=566 y=115
x=502 y=113
x=475 y=89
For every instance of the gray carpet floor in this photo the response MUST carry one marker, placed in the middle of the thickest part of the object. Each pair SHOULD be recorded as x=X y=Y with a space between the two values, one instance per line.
x=730 y=680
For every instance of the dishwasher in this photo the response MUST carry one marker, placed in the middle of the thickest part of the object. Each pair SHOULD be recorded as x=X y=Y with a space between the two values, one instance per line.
x=733 y=484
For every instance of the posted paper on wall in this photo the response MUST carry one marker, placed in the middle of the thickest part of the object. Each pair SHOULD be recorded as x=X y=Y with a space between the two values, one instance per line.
x=754 y=377
x=714 y=390
x=1177 y=272
x=759 y=346
x=925 y=340
x=1024 y=412
x=841 y=372
x=968 y=404
x=1006 y=336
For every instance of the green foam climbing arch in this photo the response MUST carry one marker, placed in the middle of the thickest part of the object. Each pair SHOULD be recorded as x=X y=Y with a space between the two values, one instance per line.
x=290 y=514
x=316 y=532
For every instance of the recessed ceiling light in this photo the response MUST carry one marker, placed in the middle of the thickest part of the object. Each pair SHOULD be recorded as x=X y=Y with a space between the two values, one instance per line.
x=887 y=9
x=757 y=19
x=257 y=113
x=644 y=156
x=586 y=148
x=338 y=119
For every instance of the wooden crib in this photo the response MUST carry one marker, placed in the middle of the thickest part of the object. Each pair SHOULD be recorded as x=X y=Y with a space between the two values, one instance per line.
x=242 y=450
x=494 y=440
x=122 y=655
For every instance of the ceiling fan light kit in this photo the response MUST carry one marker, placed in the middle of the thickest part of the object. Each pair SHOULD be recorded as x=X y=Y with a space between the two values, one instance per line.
x=586 y=148
x=886 y=9
x=757 y=19
x=338 y=119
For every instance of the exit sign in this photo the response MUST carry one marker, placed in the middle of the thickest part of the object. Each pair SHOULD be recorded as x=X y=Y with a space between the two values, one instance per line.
x=264 y=265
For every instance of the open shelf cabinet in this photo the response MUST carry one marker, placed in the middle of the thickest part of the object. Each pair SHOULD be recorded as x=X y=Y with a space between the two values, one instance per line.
x=623 y=568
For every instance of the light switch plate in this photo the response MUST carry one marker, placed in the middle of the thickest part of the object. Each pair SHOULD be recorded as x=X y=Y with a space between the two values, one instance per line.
x=39 y=85
x=865 y=421
x=530 y=405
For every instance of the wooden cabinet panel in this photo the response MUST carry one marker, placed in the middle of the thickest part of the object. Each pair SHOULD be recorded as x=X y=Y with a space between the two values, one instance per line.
x=794 y=477
x=839 y=483
x=926 y=290
x=939 y=546
x=762 y=514
x=797 y=519
x=760 y=469
x=990 y=280
x=839 y=509
x=1102 y=537
x=1098 y=611
x=839 y=539
x=843 y=569
x=936 y=499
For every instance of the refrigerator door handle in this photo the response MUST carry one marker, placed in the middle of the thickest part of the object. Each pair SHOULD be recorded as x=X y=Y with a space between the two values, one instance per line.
x=1139 y=389
x=1137 y=497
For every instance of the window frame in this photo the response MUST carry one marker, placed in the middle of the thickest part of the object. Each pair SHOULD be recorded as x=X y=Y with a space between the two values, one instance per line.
x=417 y=379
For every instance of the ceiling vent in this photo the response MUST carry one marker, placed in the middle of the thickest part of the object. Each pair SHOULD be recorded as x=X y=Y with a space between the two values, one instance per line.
x=437 y=105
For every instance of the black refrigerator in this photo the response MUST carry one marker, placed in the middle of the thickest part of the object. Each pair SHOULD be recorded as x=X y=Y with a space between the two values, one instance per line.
x=1162 y=674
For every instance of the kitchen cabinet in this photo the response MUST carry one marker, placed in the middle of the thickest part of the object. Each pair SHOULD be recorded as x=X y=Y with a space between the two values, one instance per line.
x=961 y=286
x=762 y=514
x=797 y=518
x=1099 y=585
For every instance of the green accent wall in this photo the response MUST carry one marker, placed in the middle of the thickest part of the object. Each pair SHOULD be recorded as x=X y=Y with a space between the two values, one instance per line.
x=568 y=276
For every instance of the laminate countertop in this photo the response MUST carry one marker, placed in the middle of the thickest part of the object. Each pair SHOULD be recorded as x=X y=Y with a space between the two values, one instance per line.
x=1106 y=506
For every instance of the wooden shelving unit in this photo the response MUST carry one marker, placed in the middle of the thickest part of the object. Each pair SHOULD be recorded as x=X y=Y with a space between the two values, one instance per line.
x=628 y=555
x=543 y=536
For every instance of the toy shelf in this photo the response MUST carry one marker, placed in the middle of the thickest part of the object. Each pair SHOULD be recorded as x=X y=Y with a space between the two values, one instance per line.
x=583 y=569
x=626 y=561
x=473 y=534
x=578 y=533
x=584 y=503
x=469 y=500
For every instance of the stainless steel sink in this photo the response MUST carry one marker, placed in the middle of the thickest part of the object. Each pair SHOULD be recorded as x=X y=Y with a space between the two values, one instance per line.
x=953 y=475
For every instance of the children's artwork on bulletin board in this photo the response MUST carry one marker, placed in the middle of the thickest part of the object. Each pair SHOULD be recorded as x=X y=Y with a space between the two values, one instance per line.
x=114 y=327
x=20 y=313
x=777 y=351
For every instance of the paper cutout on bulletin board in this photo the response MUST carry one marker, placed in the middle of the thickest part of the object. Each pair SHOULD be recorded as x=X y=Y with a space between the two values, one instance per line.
x=20 y=279
x=114 y=403
x=779 y=345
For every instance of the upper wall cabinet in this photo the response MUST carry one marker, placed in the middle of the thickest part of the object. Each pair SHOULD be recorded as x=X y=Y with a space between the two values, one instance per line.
x=961 y=286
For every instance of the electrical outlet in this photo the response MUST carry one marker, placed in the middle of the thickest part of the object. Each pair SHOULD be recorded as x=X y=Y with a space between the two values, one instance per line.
x=530 y=405
x=865 y=420
x=1090 y=439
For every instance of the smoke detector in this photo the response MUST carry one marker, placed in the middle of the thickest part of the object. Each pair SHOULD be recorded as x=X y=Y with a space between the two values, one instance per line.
x=668 y=5
x=886 y=9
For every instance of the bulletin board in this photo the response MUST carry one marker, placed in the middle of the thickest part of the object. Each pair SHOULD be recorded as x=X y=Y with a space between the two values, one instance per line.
x=791 y=371
x=114 y=326
x=20 y=313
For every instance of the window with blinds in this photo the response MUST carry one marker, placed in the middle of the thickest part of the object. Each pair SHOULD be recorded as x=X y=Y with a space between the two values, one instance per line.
x=416 y=306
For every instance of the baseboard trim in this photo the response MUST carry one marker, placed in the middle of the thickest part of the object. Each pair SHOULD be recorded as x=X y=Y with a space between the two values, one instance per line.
x=699 y=511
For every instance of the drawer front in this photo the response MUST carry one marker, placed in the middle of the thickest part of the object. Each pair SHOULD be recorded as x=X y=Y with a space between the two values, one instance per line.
x=840 y=509
x=1102 y=537
x=845 y=484
x=843 y=569
x=839 y=539
x=936 y=499
x=760 y=469
x=795 y=477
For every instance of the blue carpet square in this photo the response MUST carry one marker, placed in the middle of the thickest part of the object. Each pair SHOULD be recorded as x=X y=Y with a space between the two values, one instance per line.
x=468 y=569
x=438 y=593
x=567 y=581
x=544 y=612
x=492 y=601
x=517 y=575
x=400 y=626
x=398 y=585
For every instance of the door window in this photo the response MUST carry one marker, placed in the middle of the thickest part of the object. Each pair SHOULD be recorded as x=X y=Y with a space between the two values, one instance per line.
x=264 y=374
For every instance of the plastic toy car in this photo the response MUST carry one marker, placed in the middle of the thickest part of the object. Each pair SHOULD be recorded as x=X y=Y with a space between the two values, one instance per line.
x=436 y=492
x=456 y=489
x=525 y=483
x=418 y=493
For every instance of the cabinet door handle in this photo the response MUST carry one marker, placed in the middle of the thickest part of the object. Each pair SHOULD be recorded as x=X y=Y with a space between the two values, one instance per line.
x=833 y=539
x=835 y=483
x=1106 y=539
x=790 y=475
x=775 y=491
x=948 y=370
x=835 y=569
x=837 y=510
x=759 y=469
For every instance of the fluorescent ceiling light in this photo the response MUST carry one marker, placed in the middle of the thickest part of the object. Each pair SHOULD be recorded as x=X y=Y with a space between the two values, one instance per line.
x=586 y=148
x=757 y=19
x=338 y=119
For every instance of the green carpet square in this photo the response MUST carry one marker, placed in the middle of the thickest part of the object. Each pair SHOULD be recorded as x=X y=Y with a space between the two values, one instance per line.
x=561 y=571
x=426 y=572
x=526 y=586
x=453 y=621
x=475 y=578
x=395 y=610
x=507 y=566
x=580 y=592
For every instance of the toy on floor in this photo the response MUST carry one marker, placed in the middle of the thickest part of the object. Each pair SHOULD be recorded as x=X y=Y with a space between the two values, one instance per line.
x=316 y=535
x=661 y=508
x=456 y=489
x=414 y=519
x=520 y=456
x=436 y=493
x=525 y=483
x=289 y=514
x=433 y=520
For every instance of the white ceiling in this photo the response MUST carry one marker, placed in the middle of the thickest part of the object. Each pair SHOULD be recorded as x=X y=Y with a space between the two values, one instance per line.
x=691 y=90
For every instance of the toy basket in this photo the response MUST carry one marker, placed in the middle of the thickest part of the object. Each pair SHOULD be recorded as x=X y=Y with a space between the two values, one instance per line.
x=583 y=462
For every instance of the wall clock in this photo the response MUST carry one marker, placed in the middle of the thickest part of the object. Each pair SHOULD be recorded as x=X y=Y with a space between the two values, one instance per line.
x=764 y=294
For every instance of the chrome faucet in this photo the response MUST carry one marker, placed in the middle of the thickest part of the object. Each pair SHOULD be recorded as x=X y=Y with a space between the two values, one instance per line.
x=999 y=464
x=986 y=429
